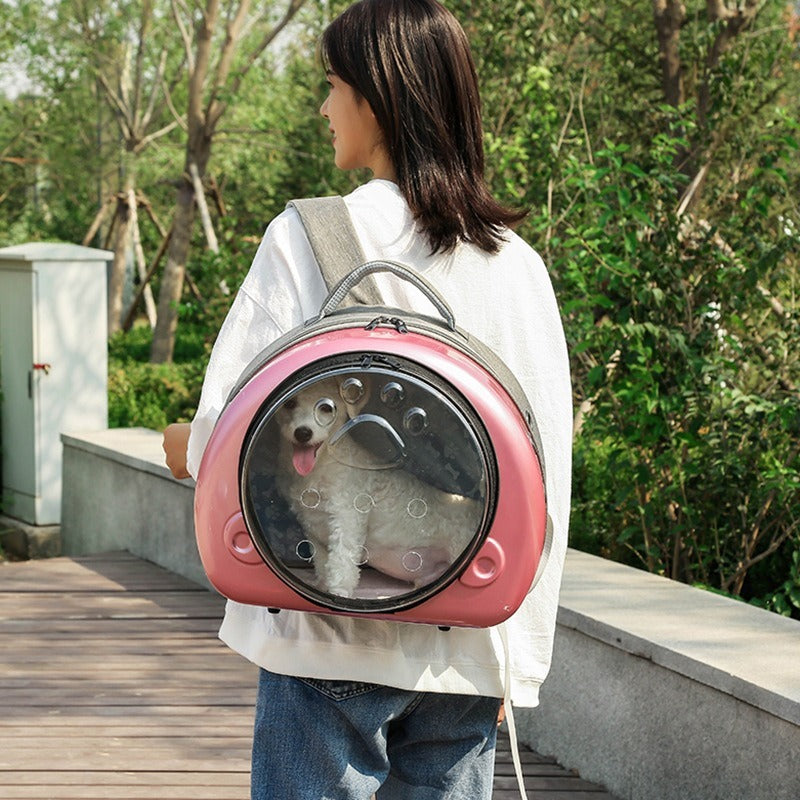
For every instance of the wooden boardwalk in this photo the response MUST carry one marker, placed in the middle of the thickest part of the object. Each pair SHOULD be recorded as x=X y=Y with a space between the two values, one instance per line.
x=113 y=685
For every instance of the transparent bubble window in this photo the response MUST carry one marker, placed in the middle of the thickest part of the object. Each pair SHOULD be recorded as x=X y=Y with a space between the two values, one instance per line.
x=367 y=483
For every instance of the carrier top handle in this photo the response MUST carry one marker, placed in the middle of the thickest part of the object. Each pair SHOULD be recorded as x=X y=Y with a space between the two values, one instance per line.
x=350 y=282
x=335 y=245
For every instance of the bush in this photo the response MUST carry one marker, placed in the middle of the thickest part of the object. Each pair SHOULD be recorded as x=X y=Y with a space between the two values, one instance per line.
x=154 y=395
x=686 y=462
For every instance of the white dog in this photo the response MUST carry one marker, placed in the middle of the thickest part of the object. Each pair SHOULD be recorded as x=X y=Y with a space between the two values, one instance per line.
x=354 y=511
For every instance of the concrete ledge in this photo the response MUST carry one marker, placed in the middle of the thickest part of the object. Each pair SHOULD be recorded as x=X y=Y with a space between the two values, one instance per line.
x=22 y=540
x=666 y=692
x=119 y=495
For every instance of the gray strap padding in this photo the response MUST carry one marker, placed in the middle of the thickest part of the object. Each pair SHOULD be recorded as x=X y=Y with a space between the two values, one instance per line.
x=335 y=245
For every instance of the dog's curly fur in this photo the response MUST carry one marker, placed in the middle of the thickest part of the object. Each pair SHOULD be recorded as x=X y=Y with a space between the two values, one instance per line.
x=354 y=516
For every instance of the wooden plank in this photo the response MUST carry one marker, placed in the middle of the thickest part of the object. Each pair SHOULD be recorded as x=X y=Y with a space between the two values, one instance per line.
x=131 y=680
x=176 y=791
x=532 y=769
x=536 y=783
x=526 y=756
x=146 y=695
x=139 y=777
x=109 y=666
x=122 y=605
x=121 y=754
x=67 y=575
x=550 y=794
x=121 y=727
x=34 y=652
x=105 y=628
x=141 y=716
x=120 y=665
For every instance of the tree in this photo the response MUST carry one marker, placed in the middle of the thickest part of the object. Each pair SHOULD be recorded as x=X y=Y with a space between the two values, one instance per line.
x=680 y=81
x=45 y=97
x=127 y=45
x=237 y=38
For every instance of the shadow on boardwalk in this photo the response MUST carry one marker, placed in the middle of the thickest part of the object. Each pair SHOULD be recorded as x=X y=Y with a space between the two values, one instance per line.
x=115 y=686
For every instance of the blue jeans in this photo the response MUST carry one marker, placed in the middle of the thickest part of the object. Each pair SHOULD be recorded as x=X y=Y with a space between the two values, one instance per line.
x=340 y=740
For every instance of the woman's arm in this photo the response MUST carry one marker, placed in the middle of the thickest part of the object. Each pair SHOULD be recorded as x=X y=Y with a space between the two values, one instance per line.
x=175 y=442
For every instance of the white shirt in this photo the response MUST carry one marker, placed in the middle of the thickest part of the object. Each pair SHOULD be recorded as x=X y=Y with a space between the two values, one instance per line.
x=505 y=300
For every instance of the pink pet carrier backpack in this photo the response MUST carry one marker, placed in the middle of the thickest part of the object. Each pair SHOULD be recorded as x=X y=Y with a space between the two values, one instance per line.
x=374 y=462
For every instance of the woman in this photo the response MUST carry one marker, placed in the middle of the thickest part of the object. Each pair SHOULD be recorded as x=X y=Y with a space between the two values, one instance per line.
x=350 y=707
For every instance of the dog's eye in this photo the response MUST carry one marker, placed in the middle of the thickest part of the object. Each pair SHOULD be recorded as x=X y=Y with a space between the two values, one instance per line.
x=325 y=411
x=290 y=404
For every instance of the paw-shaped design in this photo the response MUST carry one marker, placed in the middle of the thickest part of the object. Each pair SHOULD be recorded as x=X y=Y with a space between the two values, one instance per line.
x=393 y=395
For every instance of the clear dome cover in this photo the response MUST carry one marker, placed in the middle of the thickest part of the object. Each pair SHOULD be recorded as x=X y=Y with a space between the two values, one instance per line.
x=367 y=483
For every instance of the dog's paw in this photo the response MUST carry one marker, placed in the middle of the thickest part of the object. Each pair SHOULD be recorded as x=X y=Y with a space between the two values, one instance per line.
x=340 y=591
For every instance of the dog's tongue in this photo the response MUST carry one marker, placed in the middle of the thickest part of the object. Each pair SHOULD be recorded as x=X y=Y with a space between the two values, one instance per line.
x=304 y=459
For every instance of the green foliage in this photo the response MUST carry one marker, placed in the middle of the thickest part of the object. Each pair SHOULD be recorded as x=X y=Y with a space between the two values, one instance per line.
x=687 y=462
x=217 y=277
x=153 y=395
x=1 y=450
x=785 y=599
x=284 y=151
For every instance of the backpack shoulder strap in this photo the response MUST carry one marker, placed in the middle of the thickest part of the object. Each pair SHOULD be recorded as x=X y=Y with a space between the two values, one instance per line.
x=335 y=245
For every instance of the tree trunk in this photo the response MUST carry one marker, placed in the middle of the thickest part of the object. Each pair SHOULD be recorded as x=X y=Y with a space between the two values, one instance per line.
x=116 y=284
x=202 y=207
x=98 y=221
x=123 y=242
x=149 y=303
x=207 y=84
x=169 y=295
x=669 y=16
x=129 y=317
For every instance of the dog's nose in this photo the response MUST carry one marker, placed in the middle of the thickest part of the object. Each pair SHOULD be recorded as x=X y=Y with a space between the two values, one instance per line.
x=303 y=434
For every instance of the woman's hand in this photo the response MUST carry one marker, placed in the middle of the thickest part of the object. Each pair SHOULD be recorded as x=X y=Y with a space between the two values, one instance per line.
x=176 y=440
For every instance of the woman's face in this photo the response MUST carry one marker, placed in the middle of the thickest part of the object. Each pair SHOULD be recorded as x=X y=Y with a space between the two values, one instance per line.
x=357 y=138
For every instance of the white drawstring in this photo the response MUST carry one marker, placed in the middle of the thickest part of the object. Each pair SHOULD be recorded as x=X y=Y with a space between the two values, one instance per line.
x=512 y=728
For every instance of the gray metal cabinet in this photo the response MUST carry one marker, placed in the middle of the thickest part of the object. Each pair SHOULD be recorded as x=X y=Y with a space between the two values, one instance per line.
x=53 y=367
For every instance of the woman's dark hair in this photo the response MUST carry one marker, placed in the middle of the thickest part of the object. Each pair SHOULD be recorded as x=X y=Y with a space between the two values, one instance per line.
x=410 y=60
